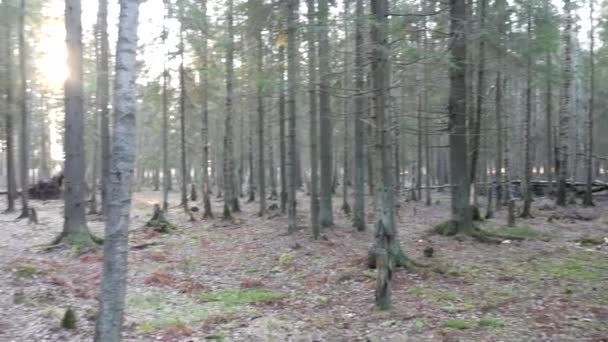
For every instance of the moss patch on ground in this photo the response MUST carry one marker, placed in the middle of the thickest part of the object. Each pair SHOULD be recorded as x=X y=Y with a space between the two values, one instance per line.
x=236 y=297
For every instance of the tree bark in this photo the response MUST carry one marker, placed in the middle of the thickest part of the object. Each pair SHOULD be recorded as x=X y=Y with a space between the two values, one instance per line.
x=282 y=134
x=261 y=113
x=292 y=79
x=75 y=231
x=230 y=193
x=326 y=126
x=24 y=137
x=564 y=106
x=345 y=102
x=11 y=182
x=182 y=111
x=359 y=167
x=459 y=168
x=116 y=245
x=313 y=114
x=526 y=212
x=103 y=83
x=588 y=197
x=207 y=213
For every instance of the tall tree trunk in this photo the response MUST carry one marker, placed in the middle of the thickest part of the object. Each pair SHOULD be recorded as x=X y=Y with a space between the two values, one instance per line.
x=459 y=171
x=564 y=106
x=230 y=193
x=526 y=212
x=207 y=213
x=261 y=113
x=182 y=110
x=500 y=9
x=476 y=135
x=251 y=157
x=292 y=85
x=116 y=243
x=103 y=83
x=549 y=152
x=11 y=184
x=425 y=100
x=313 y=114
x=326 y=127
x=588 y=197
x=24 y=137
x=387 y=252
x=359 y=167
x=166 y=169
x=282 y=134
x=96 y=148
x=345 y=84
x=75 y=231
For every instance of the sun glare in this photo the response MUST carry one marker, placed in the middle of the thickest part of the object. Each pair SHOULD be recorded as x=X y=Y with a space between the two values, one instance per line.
x=53 y=64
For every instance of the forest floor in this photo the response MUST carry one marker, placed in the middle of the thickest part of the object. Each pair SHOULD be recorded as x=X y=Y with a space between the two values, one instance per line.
x=247 y=280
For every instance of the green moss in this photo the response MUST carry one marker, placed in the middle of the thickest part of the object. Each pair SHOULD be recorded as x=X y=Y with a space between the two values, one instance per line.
x=488 y=322
x=236 y=297
x=520 y=232
x=146 y=328
x=591 y=241
x=81 y=242
x=69 y=319
x=459 y=324
x=446 y=228
x=26 y=270
x=285 y=259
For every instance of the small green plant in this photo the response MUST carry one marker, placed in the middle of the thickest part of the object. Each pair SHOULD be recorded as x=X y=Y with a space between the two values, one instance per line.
x=487 y=322
x=69 y=319
x=146 y=328
x=591 y=241
x=286 y=259
x=459 y=324
x=26 y=270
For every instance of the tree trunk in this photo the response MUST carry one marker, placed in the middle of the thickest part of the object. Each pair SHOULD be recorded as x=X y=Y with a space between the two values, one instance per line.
x=116 y=245
x=313 y=113
x=526 y=212
x=359 y=167
x=75 y=231
x=103 y=83
x=345 y=85
x=588 y=197
x=11 y=183
x=326 y=127
x=230 y=193
x=292 y=79
x=261 y=112
x=459 y=171
x=386 y=249
x=564 y=106
x=476 y=135
x=182 y=110
x=24 y=137
x=282 y=146
x=207 y=213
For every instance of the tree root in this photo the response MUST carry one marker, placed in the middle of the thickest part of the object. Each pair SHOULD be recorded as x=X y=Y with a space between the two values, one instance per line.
x=159 y=222
x=448 y=228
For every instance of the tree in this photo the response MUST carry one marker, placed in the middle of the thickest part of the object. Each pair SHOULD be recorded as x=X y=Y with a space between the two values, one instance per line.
x=526 y=212
x=292 y=83
x=9 y=109
x=230 y=193
x=564 y=106
x=326 y=126
x=103 y=85
x=259 y=55
x=182 y=110
x=165 y=128
x=359 y=167
x=114 y=273
x=205 y=112
x=312 y=109
x=588 y=197
x=75 y=231
x=24 y=138
x=386 y=250
x=459 y=168
x=345 y=102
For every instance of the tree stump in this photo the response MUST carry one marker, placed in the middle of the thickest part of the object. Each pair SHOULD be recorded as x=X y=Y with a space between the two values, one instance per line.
x=159 y=222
